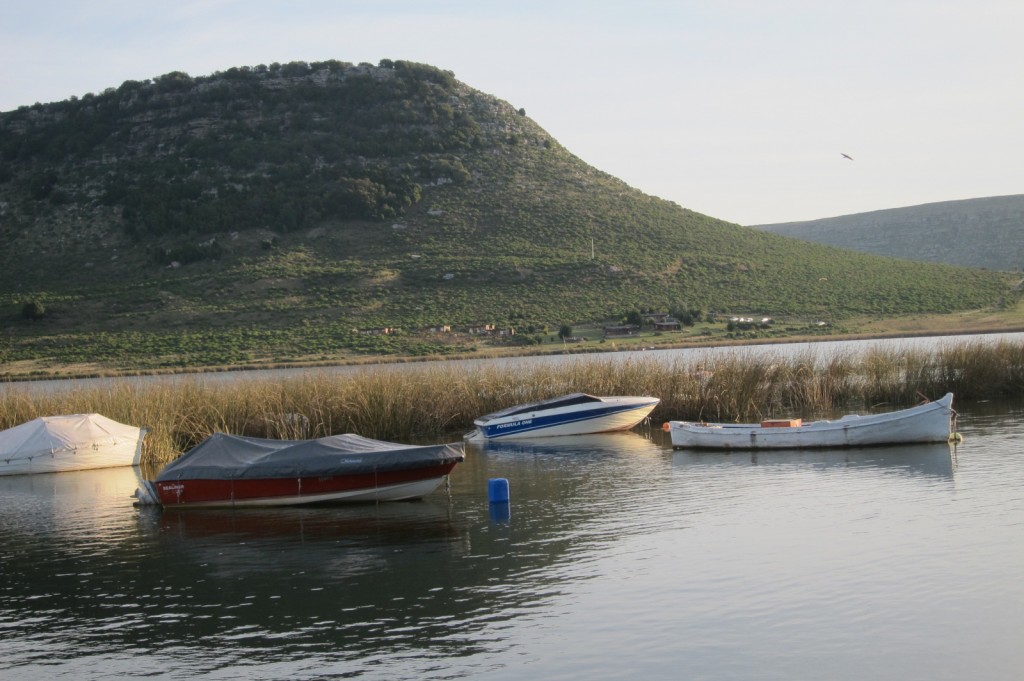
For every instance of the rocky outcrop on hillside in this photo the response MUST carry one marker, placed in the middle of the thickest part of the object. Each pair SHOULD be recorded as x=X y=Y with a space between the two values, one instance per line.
x=281 y=147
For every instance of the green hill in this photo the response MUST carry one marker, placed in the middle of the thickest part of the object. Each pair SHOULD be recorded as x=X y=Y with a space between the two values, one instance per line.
x=287 y=211
x=986 y=232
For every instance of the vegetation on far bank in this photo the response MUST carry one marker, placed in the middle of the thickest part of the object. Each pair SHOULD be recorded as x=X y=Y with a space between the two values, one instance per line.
x=283 y=213
x=132 y=353
x=435 y=400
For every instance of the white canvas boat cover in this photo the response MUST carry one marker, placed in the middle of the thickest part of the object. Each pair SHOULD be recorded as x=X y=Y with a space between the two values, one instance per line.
x=233 y=457
x=107 y=442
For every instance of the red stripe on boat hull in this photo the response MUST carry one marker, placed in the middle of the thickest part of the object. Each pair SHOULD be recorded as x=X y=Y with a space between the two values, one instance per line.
x=390 y=485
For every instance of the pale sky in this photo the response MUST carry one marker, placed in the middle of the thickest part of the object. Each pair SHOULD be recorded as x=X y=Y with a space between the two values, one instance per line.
x=739 y=109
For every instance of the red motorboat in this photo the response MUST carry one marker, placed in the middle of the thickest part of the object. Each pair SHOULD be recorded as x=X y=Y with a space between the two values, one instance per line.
x=233 y=471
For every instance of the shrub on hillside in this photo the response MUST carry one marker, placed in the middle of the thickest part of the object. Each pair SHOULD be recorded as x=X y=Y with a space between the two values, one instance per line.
x=33 y=309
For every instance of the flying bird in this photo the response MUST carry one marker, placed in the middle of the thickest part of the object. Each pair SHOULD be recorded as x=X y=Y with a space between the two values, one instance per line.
x=846 y=156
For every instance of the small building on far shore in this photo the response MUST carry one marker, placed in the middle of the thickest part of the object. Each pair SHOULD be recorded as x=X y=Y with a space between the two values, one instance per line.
x=621 y=330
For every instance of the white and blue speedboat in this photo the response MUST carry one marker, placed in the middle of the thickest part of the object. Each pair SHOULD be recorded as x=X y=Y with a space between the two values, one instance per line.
x=575 y=414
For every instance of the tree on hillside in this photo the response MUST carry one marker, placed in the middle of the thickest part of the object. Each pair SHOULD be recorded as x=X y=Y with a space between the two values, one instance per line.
x=687 y=315
x=564 y=331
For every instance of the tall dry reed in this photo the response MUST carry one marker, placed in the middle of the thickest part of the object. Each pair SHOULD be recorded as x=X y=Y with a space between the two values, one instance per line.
x=427 y=401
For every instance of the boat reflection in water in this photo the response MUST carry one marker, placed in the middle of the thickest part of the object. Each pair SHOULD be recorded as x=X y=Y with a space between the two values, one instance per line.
x=932 y=458
x=330 y=541
x=573 y=447
x=94 y=502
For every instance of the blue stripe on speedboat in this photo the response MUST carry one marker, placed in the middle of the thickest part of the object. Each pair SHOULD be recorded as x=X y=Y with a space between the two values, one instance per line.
x=540 y=423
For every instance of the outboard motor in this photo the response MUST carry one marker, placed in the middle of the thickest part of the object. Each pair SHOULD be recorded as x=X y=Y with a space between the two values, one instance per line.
x=146 y=495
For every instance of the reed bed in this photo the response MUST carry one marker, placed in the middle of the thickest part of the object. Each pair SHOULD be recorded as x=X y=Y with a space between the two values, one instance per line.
x=426 y=402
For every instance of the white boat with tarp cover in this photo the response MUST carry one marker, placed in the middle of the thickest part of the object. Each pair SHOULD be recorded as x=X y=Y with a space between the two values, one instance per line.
x=73 y=442
x=573 y=414
x=933 y=421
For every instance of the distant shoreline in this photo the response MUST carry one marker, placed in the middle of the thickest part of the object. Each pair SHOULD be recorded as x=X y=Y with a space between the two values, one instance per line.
x=442 y=400
x=502 y=353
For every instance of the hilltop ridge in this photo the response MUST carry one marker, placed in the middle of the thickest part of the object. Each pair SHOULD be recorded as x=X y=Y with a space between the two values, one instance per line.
x=982 y=232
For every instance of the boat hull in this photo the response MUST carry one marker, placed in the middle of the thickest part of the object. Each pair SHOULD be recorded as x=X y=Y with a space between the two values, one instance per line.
x=930 y=422
x=609 y=415
x=395 y=485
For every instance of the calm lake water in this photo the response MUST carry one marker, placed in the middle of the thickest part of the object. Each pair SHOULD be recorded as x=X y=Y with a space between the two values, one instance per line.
x=618 y=557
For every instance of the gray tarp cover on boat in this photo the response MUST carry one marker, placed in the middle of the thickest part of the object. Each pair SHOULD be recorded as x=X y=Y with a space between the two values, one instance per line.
x=232 y=457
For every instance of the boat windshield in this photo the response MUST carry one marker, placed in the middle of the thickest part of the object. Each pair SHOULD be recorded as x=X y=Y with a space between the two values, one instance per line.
x=553 y=403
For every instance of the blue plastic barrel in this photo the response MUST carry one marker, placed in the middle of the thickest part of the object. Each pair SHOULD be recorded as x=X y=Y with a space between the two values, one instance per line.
x=497 y=490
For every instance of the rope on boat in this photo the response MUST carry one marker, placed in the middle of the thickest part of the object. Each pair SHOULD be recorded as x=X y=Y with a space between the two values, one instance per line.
x=954 y=437
x=645 y=427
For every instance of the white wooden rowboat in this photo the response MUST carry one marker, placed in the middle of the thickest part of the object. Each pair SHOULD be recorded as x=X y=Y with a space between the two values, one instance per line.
x=928 y=422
